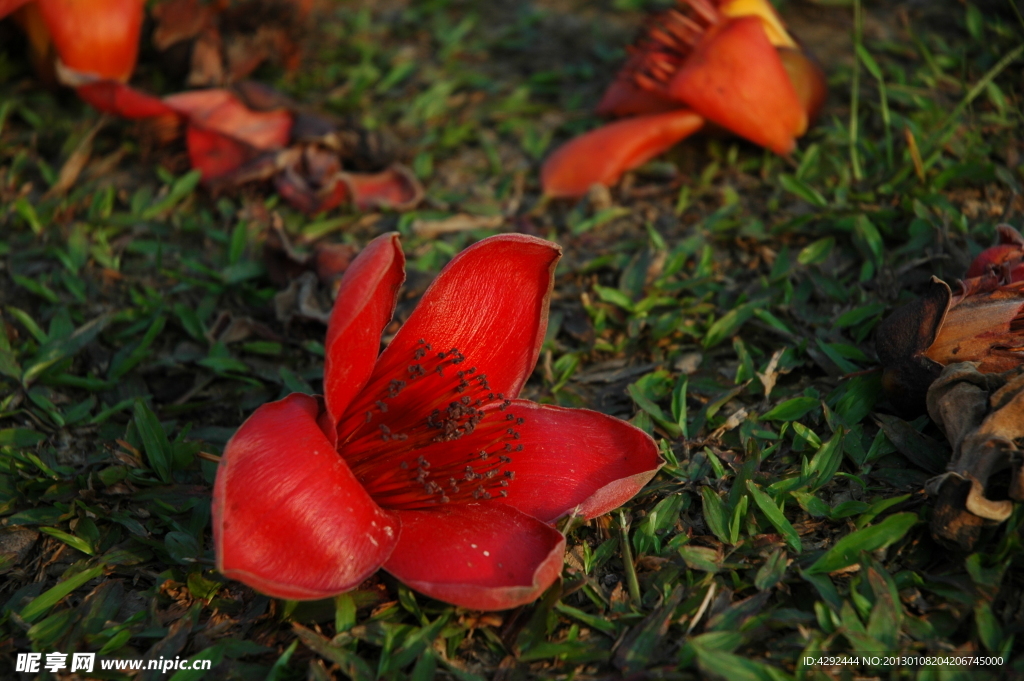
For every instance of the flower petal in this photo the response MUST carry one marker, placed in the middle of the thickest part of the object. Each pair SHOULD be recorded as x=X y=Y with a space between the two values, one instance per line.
x=576 y=460
x=396 y=188
x=223 y=112
x=486 y=557
x=117 y=98
x=1010 y=249
x=289 y=518
x=365 y=303
x=490 y=302
x=601 y=156
x=735 y=78
x=100 y=37
x=215 y=154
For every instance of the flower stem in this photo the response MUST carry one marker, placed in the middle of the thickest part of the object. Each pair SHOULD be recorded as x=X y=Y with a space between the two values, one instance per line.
x=627 y=559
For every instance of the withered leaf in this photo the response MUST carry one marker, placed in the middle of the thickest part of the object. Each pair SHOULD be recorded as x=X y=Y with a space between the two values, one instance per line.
x=901 y=342
x=983 y=417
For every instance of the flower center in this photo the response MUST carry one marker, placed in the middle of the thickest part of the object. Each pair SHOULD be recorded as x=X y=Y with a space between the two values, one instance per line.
x=429 y=429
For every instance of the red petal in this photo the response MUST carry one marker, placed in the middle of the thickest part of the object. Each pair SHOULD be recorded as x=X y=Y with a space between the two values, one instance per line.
x=289 y=518
x=215 y=154
x=100 y=37
x=1010 y=249
x=123 y=100
x=486 y=557
x=221 y=111
x=576 y=460
x=624 y=98
x=994 y=256
x=735 y=78
x=491 y=303
x=395 y=188
x=601 y=156
x=365 y=303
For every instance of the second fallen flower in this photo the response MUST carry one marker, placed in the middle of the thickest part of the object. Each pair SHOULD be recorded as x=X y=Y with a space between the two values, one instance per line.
x=729 y=62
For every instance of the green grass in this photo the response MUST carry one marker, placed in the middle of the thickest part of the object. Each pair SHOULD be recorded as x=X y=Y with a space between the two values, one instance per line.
x=725 y=302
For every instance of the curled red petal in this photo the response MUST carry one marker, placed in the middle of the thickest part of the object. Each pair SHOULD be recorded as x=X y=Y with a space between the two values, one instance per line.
x=223 y=112
x=365 y=303
x=395 y=188
x=994 y=256
x=624 y=98
x=602 y=155
x=735 y=78
x=491 y=304
x=576 y=460
x=481 y=556
x=289 y=518
x=99 y=37
x=1009 y=251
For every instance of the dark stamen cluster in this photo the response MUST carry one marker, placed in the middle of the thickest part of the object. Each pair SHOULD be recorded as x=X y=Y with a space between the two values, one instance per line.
x=459 y=402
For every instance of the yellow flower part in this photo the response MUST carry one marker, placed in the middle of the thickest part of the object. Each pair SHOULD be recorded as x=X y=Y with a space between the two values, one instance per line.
x=763 y=10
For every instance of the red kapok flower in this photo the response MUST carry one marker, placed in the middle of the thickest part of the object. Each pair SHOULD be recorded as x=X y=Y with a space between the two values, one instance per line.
x=730 y=62
x=422 y=460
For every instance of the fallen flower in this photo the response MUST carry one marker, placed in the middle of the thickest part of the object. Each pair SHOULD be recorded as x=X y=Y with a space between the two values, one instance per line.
x=423 y=460
x=982 y=322
x=252 y=134
x=249 y=133
x=732 y=63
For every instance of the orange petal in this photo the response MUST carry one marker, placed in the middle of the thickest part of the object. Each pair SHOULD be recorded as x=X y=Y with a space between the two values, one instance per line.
x=601 y=156
x=99 y=37
x=736 y=79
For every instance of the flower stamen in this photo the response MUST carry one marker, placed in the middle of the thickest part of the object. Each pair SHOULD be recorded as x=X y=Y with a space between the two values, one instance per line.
x=403 y=452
